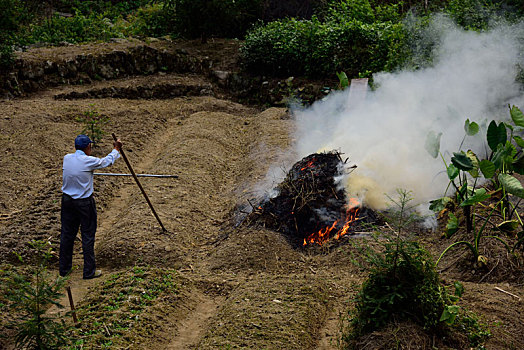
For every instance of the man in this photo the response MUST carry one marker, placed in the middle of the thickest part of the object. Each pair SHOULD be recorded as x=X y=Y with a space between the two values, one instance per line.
x=78 y=204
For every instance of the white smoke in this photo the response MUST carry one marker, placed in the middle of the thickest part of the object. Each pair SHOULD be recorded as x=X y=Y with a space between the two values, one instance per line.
x=473 y=76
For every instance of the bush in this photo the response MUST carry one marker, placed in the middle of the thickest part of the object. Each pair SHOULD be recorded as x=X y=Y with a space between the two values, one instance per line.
x=360 y=10
x=472 y=14
x=76 y=29
x=111 y=9
x=31 y=296
x=152 y=20
x=403 y=283
x=11 y=14
x=293 y=47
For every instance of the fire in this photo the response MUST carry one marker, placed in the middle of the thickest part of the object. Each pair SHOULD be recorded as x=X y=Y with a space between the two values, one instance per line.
x=309 y=164
x=324 y=234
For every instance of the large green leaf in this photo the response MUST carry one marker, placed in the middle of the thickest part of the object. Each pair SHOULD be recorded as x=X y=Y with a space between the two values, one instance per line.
x=461 y=161
x=452 y=172
x=479 y=196
x=517 y=116
x=343 y=81
x=512 y=185
x=432 y=144
x=496 y=135
x=471 y=128
x=519 y=141
x=488 y=168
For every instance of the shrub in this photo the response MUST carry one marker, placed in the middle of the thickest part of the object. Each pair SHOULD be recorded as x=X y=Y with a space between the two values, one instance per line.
x=76 y=29
x=110 y=9
x=30 y=297
x=293 y=47
x=152 y=20
x=472 y=14
x=403 y=283
x=360 y=10
x=10 y=13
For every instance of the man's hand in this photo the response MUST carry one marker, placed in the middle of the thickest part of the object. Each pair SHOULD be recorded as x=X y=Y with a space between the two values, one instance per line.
x=118 y=145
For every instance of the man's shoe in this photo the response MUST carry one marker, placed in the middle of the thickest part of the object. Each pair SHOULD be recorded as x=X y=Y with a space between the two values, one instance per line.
x=97 y=273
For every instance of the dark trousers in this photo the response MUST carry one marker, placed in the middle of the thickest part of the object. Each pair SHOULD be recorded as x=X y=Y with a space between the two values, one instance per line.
x=77 y=213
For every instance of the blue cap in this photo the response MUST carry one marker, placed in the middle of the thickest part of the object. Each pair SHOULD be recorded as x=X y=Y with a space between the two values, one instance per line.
x=82 y=141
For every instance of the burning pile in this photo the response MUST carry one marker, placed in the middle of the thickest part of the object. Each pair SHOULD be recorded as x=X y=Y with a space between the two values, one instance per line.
x=310 y=207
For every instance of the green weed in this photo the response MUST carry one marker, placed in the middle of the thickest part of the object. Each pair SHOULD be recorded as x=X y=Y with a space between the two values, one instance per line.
x=120 y=302
x=93 y=124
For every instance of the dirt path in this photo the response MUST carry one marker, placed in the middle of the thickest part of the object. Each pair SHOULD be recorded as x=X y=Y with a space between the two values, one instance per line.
x=192 y=327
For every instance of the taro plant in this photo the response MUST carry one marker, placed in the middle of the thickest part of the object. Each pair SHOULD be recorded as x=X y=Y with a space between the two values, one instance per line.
x=463 y=175
x=464 y=171
x=474 y=246
x=31 y=296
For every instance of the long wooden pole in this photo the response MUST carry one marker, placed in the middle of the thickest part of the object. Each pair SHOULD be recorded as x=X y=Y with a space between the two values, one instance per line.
x=139 y=185
x=73 y=311
x=139 y=175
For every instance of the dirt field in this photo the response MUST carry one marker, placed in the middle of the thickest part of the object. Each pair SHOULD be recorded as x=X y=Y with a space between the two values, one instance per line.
x=237 y=286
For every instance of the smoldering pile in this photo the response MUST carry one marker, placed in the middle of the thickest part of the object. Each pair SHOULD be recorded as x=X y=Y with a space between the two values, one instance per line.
x=311 y=208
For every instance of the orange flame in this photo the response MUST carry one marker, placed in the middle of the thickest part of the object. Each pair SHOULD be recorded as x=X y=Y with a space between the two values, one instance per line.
x=324 y=234
x=309 y=164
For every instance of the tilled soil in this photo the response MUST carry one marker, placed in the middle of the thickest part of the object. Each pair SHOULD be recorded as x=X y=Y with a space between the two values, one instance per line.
x=241 y=287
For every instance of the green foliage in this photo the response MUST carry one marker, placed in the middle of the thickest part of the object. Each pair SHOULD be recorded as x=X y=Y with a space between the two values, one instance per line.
x=471 y=128
x=463 y=320
x=93 y=124
x=343 y=81
x=123 y=301
x=153 y=20
x=76 y=29
x=30 y=298
x=472 y=14
x=402 y=284
x=505 y=159
x=110 y=9
x=11 y=17
x=313 y=48
x=206 y=18
x=359 y=10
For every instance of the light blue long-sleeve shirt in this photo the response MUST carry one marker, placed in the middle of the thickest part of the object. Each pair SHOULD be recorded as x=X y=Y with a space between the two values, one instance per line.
x=78 y=172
